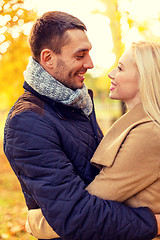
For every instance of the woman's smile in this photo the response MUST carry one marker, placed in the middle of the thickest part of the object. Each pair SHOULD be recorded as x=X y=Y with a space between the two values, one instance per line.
x=113 y=86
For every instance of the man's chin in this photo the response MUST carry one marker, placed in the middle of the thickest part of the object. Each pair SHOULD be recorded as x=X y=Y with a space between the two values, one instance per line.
x=80 y=86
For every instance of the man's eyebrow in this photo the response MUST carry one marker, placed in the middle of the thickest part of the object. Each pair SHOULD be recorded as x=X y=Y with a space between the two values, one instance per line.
x=82 y=50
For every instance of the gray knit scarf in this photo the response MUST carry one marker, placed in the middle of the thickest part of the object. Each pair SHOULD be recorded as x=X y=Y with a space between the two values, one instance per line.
x=42 y=82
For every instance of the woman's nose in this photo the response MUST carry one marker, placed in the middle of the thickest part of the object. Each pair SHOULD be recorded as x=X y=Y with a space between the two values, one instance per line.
x=111 y=74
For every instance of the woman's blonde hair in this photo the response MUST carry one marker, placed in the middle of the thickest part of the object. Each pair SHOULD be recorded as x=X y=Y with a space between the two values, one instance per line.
x=147 y=58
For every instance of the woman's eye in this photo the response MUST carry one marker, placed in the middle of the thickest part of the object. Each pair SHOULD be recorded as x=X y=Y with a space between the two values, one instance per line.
x=119 y=68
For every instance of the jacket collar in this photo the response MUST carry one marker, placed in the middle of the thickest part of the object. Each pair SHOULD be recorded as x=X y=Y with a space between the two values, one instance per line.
x=110 y=144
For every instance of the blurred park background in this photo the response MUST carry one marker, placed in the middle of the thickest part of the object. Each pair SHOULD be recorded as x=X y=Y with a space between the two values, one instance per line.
x=112 y=25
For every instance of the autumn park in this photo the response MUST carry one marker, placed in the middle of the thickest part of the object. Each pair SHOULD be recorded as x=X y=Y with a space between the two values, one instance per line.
x=15 y=21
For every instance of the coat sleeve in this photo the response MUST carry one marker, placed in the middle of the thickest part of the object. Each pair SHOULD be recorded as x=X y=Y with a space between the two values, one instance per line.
x=135 y=167
x=43 y=168
x=37 y=225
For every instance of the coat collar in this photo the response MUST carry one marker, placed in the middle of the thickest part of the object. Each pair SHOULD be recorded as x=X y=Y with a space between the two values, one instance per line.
x=110 y=144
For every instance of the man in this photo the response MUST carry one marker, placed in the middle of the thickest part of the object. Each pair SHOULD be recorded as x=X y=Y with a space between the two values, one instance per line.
x=51 y=134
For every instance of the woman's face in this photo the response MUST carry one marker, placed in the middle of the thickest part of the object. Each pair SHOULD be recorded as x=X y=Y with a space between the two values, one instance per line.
x=125 y=81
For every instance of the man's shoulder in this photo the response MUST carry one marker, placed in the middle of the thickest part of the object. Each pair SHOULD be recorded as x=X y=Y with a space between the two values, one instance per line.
x=28 y=102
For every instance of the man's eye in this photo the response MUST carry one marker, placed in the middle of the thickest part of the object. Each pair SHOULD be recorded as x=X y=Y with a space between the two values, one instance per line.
x=80 y=56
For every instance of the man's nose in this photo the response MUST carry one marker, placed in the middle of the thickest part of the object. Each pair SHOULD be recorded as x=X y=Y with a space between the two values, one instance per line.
x=88 y=64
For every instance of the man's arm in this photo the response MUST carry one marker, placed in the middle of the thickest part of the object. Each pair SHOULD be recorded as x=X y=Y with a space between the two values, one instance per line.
x=35 y=217
x=70 y=210
x=39 y=227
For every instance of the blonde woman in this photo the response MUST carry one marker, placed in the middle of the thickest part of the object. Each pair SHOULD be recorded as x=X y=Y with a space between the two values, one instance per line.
x=129 y=154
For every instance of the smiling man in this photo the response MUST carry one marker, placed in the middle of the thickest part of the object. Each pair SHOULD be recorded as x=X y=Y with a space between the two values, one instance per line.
x=70 y=65
x=51 y=134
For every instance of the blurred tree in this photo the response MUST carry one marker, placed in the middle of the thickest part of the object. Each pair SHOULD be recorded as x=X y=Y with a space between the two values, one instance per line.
x=114 y=15
x=112 y=11
x=12 y=65
x=15 y=22
x=118 y=18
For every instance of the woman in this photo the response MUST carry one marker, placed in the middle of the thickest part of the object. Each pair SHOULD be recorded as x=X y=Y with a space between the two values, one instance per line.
x=129 y=154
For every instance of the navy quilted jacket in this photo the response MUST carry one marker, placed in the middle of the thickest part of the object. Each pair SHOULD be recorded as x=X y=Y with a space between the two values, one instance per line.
x=49 y=146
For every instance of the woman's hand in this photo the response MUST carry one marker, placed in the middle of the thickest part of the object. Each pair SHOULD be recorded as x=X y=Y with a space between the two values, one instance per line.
x=158 y=222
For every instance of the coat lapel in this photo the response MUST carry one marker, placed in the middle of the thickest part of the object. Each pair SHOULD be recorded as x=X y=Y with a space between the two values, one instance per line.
x=106 y=152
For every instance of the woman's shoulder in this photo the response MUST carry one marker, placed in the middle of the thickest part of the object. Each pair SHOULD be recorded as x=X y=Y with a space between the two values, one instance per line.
x=147 y=131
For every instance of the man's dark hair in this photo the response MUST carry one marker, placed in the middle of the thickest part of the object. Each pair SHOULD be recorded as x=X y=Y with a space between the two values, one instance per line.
x=49 y=31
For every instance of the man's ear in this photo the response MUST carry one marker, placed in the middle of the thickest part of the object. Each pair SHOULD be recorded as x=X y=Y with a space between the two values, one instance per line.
x=47 y=58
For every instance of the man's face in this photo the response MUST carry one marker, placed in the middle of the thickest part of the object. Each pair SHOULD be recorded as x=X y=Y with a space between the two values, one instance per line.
x=72 y=63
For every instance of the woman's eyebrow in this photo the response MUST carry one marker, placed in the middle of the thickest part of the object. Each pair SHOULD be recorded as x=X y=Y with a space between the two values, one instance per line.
x=121 y=64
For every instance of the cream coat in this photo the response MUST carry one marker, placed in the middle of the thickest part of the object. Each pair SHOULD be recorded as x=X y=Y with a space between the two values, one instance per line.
x=129 y=155
x=129 y=158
